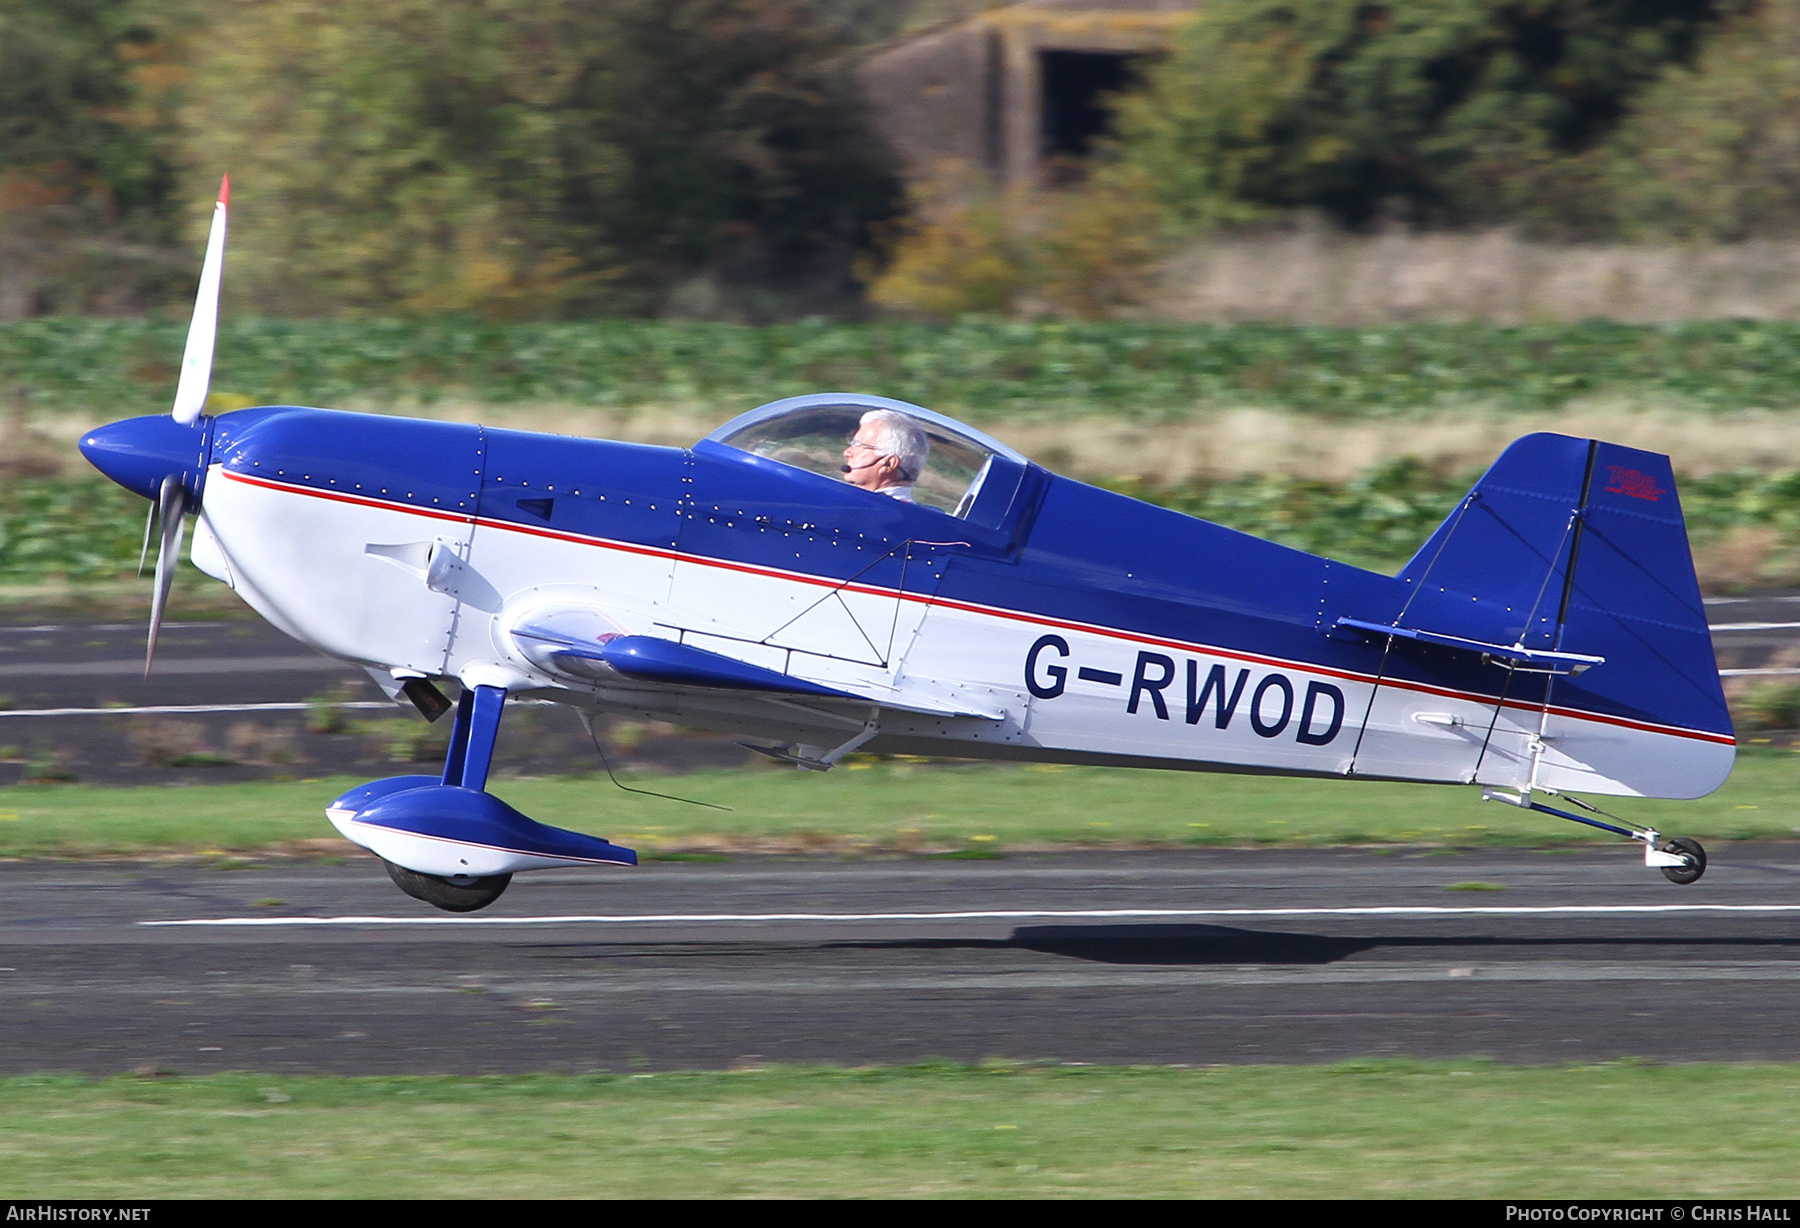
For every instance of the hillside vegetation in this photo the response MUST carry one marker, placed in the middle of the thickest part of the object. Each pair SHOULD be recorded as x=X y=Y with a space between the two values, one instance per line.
x=718 y=159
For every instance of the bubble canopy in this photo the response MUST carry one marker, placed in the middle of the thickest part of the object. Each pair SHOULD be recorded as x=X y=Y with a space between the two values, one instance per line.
x=810 y=433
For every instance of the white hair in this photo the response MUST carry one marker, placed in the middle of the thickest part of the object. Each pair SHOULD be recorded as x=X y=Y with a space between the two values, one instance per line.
x=898 y=436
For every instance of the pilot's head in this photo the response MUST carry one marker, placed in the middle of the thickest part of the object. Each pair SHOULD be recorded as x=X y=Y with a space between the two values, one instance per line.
x=887 y=454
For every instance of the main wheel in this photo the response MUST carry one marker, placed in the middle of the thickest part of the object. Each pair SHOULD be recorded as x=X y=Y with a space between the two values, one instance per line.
x=461 y=894
x=1696 y=860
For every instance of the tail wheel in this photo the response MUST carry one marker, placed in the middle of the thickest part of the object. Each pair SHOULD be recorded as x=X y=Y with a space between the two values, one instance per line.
x=461 y=894
x=1696 y=856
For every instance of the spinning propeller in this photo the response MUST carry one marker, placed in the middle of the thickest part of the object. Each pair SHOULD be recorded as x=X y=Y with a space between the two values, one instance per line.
x=165 y=458
x=190 y=398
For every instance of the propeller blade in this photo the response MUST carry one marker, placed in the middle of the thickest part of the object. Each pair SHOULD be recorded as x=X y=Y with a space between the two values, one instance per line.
x=171 y=511
x=197 y=359
x=144 y=550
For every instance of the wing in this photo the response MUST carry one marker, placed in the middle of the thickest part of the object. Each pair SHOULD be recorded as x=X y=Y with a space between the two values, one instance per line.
x=579 y=645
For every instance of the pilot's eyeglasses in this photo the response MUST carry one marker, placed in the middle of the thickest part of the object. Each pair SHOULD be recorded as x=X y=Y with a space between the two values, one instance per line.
x=857 y=443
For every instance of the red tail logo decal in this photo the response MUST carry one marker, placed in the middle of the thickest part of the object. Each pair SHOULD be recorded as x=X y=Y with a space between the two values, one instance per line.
x=1631 y=482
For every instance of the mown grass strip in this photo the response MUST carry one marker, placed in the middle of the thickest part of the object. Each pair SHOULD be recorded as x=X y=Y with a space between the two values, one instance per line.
x=1466 y=1129
x=901 y=808
x=980 y=368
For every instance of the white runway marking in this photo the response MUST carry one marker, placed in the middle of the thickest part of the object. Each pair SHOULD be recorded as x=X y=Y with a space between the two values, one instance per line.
x=1066 y=914
x=364 y=705
x=41 y=628
x=129 y=666
x=183 y=709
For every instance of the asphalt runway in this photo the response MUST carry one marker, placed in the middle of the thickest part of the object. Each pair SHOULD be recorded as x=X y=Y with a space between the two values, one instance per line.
x=1217 y=956
x=1198 y=957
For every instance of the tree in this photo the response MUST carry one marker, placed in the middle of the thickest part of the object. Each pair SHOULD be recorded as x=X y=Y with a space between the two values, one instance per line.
x=1454 y=111
x=86 y=183
x=536 y=156
x=1713 y=152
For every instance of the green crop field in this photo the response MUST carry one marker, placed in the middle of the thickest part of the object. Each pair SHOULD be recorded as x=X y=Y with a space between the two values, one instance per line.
x=74 y=529
x=86 y=530
x=979 y=369
x=1467 y=1129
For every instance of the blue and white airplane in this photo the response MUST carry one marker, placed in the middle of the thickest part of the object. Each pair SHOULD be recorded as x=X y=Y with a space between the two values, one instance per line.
x=839 y=572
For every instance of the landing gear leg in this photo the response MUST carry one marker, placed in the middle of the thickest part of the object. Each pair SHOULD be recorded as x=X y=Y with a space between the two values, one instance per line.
x=466 y=765
x=1681 y=860
x=472 y=737
x=445 y=839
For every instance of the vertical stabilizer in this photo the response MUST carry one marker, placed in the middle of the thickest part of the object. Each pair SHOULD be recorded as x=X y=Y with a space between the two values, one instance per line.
x=1579 y=546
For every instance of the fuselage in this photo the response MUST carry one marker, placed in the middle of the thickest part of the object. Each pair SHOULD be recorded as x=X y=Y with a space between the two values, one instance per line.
x=1052 y=620
x=1072 y=623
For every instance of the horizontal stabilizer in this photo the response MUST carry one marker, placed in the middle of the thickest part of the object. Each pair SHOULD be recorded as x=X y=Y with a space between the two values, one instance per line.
x=1539 y=658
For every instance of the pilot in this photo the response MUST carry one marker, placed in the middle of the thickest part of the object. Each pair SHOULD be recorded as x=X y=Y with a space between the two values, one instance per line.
x=887 y=454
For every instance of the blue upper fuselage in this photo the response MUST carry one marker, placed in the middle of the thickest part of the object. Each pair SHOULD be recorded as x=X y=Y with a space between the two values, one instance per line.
x=1034 y=544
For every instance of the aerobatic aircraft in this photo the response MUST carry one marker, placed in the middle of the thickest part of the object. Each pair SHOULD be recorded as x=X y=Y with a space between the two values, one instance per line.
x=839 y=572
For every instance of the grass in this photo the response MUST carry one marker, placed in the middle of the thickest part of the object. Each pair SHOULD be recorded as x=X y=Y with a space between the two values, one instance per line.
x=988 y=369
x=1465 y=1129
x=873 y=808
